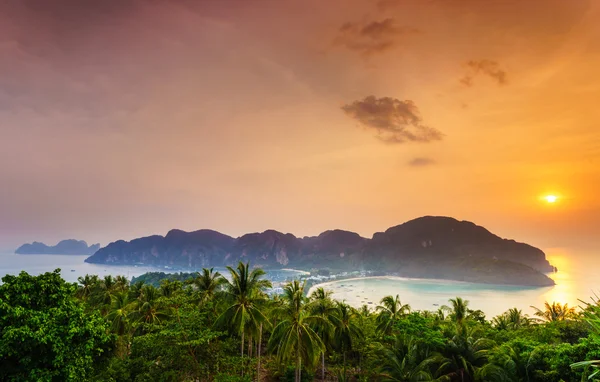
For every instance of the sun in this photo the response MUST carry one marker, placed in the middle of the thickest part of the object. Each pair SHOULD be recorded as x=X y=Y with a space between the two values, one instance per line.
x=551 y=198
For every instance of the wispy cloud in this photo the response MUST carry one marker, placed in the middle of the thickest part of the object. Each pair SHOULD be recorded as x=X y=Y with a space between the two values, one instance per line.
x=372 y=38
x=421 y=162
x=486 y=67
x=395 y=121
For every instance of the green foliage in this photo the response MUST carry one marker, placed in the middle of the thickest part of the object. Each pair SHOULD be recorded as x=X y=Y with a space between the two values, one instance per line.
x=294 y=338
x=208 y=329
x=155 y=278
x=426 y=329
x=591 y=365
x=554 y=312
x=45 y=334
x=390 y=310
x=290 y=374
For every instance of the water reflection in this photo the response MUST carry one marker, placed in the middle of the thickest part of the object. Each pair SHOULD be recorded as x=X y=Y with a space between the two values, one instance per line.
x=575 y=279
x=563 y=292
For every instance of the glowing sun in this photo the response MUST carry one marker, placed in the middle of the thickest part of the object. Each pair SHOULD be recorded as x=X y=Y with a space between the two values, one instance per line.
x=551 y=198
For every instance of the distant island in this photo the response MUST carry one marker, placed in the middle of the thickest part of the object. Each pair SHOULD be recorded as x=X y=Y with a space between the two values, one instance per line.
x=65 y=247
x=427 y=247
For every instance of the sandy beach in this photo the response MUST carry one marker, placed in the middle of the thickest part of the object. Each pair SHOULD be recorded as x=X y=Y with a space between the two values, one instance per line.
x=393 y=278
x=430 y=294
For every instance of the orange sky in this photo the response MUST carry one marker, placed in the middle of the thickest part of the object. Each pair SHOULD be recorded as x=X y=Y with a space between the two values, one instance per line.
x=127 y=118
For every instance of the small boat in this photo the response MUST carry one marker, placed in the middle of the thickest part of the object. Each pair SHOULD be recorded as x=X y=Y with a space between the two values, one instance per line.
x=72 y=270
x=436 y=304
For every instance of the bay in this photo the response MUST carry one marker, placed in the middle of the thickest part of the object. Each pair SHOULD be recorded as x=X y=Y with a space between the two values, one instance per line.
x=576 y=279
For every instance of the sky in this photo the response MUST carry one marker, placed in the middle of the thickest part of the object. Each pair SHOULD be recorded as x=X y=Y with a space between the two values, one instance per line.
x=125 y=118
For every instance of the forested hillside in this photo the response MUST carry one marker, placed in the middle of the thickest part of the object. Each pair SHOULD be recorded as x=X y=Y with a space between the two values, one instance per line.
x=427 y=247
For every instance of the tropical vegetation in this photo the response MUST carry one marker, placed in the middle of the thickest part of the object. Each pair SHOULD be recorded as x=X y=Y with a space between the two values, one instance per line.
x=231 y=327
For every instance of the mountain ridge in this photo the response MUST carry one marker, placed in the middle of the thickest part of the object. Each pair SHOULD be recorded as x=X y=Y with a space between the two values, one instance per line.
x=429 y=246
x=64 y=247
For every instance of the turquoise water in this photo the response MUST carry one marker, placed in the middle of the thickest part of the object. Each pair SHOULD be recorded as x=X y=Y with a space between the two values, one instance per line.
x=431 y=294
x=575 y=280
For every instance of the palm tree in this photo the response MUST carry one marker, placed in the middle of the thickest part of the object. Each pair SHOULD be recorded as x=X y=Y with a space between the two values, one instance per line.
x=294 y=336
x=150 y=309
x=408 y=360
x=501 y=322
x=102 y=292
x=391 y=310
x=246 y=290
x=459 y=309
x=121 y=283
x=87 y=284
x=119 y=313
x=118 y=316
x=516 y=318
x=321 y=305
x=169 y=288
x=364 y=311
x=346 y=329
x=469 y=353
x=208 y=283
x=554 y=312
x=135 y=290
x=511 y=319
x=508 y=363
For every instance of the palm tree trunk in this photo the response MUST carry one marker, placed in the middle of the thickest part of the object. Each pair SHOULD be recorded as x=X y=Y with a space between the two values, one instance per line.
x=323 y=365
x=242 y=345
x=299 y=368
x=344 y=352
x=258 y=353
x=242 y=353
x=250 y=347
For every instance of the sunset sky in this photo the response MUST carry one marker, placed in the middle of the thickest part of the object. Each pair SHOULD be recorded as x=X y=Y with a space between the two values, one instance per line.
x=124 y=118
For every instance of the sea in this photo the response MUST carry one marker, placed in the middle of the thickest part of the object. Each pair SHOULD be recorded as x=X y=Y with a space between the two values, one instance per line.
x=73 y=266
x=576 y=280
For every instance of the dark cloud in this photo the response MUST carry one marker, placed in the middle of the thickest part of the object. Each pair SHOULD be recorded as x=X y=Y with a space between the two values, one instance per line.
x=486 y=67
x=421 y=162
x=372 y=38
x=395 y=121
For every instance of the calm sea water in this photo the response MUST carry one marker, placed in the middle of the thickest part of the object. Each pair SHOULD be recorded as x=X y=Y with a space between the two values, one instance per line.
x=73 y=266
x=575 y=280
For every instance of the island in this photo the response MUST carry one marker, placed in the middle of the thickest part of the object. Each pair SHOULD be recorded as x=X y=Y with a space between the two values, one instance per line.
x=64 y=247
x=434 y=247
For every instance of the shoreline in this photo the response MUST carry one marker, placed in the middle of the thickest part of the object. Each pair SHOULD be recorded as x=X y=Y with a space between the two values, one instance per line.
x=321 y=285
x=294 y=270
x=438 y=281
x=396 y=278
